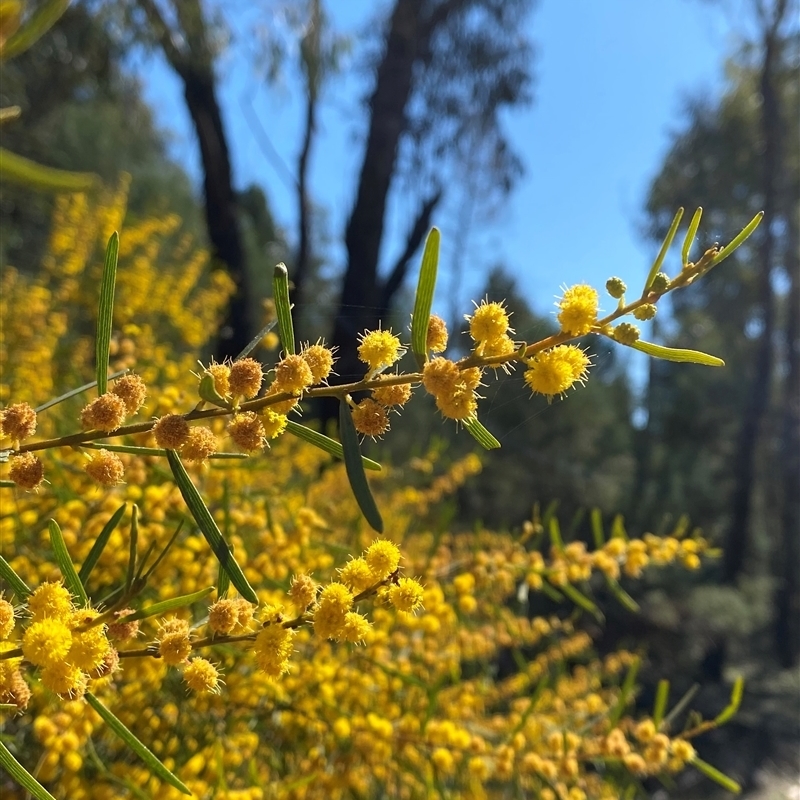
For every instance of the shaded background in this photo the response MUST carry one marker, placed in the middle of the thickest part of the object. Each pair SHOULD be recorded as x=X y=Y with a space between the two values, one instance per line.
x=551 y=143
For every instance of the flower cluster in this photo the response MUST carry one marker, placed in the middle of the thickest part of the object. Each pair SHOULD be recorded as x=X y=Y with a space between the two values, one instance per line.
x=421 y=710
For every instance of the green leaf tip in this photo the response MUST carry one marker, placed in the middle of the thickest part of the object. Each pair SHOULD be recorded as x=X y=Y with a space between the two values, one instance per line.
x=355 y=468
x=480 y=434
x=423 y=300
x=71 y=578
x=283 y=309
x=666 y=244
x=738 y=240
x=105 y=312
x=676 y=354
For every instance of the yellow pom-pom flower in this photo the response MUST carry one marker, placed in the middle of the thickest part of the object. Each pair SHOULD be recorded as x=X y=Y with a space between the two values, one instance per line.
x=379 y=349
x=292 y=375
x=554 y=371
x=273 y=646
x=357 y=575
x=50 y=601
x=355 y=628
x=406 y=595
x=319 y=359
x=489 y=322
x=201 y=676
x=46 y=642
x=274 y=424
x=578 y=309
x=6 y=618
x=382 y=557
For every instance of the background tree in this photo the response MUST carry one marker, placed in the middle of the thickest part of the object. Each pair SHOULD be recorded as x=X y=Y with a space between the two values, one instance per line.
x=734 y=158
x=82 y=110
x=446 y=71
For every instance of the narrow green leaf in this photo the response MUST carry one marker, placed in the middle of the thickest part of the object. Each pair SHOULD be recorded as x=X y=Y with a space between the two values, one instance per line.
x=280 y=294
x=621 y=596
x=326 y=443
x=256 y=339
x=715 y=775
x=208 y=527
x=597 y=528
x=150 y=570
x=20 y=775
x=72 y=392
x=105 y=312
x=733 y=706
x=580 y=599
x=223 y=583
x=134 y=544
x=27 y=173
x=625 y=692
x=680 y=706
x=676 y=354
x=64 y=562
x=660 y=705
x=16 y=584
x=153 y=764
x=100 y=543
x=424 y=297
x=7 y=484
x=158 y=452
x=45 y=16
x=739 y=239
x=480 y=434
x=554 y=529
x=355 y=468
x=552 y=592
x=654 y=270
x=172 y=604
x=690 y=234
x=618 y=528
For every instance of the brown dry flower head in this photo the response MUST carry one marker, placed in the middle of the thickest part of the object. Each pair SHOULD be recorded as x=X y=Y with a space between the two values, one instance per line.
x=245 y=378
x=437 y=334
x=105 y=468
x=200 y=444
x=27 y=471
x=303 y=591
x=247 y=431
x=105 y=413
x=223 y=616
x=17 y=422
x=122 y=631
x=292 y=375
x=171 y=431
x=371 y=418
x=132 y=390
x=319 y=359
x=221 y=375
x=397 y=395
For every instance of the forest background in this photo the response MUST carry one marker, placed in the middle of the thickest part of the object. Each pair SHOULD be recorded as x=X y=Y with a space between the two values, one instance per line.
x=331 y=136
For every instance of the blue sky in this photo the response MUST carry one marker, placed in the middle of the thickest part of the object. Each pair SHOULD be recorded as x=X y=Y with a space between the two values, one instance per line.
x=611 y=80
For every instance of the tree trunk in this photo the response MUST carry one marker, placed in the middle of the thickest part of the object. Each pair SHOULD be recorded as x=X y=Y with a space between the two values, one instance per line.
x=360 y=290
x=787 y=599
x=220 y=205
x=736 y=544
x=303 y=210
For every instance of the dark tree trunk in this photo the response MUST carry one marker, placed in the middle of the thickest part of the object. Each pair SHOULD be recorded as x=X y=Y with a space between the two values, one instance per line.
x=360 y=295
x=303 y=211
x=736 y=543
x=787 y=600
x=220 y=205
x=188 y=53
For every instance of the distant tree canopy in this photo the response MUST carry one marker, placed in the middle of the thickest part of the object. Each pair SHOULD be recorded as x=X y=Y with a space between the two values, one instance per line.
x=82 y=110
x=722 y=445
